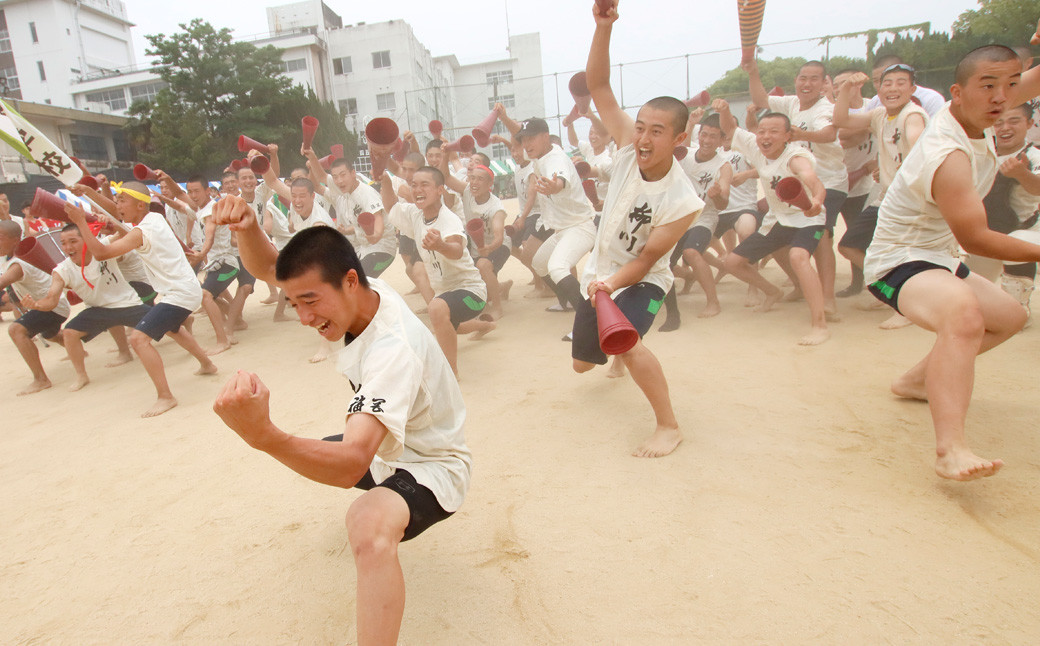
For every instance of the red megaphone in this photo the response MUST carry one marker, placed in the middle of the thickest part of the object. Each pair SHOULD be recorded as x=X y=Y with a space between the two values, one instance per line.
x=436 y=128
x=144 y=174
x=482 y=133
x=51 y=207
x=776 y=91
x=310 y=126
x=378 y=168
x=475 y=229
x=41 y=256
x=237 y=165
x=579 y=87
x=462 y=144
x=616 y=333
x=382 y=131
x=584 y=169
x=367 y=222
x=790 y=190
x=698 y=100
x=401 y=150
x=590 y=190
x=572 y=116
x=680 y=152
x=336 y=150
x=90 y=182
x=245 y=144
x=260 y=165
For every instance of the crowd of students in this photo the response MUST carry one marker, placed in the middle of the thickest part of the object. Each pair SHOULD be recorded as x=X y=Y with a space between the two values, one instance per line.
x=931 y=192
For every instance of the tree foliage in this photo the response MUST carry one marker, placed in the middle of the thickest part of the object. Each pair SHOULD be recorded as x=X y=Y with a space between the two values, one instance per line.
x=216 y=90
x=779 y=71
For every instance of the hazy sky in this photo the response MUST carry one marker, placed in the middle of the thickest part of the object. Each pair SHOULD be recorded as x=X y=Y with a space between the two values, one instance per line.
x=647 y=29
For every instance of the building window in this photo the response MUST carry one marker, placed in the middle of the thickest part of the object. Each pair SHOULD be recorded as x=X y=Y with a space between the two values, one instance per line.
x=89 y=147
x=43 y=72
x=294 y=65
x=342 y=65
x=348 y=106
x=497 y=78
x=385 y=101
x=9 y=79
x=5 y=41
x=499 y=151
x=146 y=92
x=114 y=99
x=32 y=32
x=381 y=59
x=122 y=147
x=507 y=101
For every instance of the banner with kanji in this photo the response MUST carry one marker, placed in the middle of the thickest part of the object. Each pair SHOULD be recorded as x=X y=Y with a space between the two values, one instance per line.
x=40 y=149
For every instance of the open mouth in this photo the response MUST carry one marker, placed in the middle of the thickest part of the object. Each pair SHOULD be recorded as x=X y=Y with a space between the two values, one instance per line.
x=644 y=154
x=324 y=327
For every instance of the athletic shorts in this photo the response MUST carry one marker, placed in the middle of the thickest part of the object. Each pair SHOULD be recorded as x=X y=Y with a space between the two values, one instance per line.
x=219 y=278
x=697 y=238
x=852 y=207
x=376 y=263
x=861 y=230
x=46 y=324
x=161 y=319
x=145 y=291
x=728 y=220
x=533 y=228
x=832 y=204
x=406 y=247
x=95 y=320
x=757 y=246
x=245 y=279
x=423 y=509
x=463 y=305
x=639 y=303
x=498 y=258
x=887 y=289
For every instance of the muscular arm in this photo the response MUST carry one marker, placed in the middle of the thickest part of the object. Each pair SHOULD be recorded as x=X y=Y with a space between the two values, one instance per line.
x=661 y=241
x=50 y=301
x=842 y=117
x=98 y=249
x=13 y=274
x=915 y=125
x=759 y=95
x=803 y=170
x=597 y=71
x=822 y=136
x=572 y=135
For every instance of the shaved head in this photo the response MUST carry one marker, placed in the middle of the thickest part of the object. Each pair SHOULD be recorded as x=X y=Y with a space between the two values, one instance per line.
x=680 y=113
x=10 y=229
x=980 y=56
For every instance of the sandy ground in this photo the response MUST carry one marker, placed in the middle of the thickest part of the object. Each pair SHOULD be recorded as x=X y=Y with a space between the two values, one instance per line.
x=802 y=506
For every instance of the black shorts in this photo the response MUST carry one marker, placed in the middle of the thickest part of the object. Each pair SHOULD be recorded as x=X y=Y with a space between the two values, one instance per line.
x=728 y=220
x=219 y=278
x=861 y=230
x=376 y=263
x=887 y=289
x=757 y=246
x=498 y=258
x=533 y=227
x=245 y=279
x=639 y=303
x=406 y=247
x=95 y=320
x=463 y=305
x=145 y=291
x=47 y=324
x=161 y=319
x=832 y=204
x=697 y=238
x=852 y=207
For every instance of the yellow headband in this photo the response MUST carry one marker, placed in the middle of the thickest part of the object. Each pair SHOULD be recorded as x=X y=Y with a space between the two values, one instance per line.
x=117 y=188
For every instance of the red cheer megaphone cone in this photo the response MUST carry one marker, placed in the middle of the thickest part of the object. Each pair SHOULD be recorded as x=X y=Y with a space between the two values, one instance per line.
x=579 y=88
x=776 y=91
x=310 y=126
x=698 y=100
x=245 y=144
x=590 y=190
x=44 y=257
x=751 y=14
x=51 y=207
x=584 y=169
x=791 y=191
x=367 y=222
x=260 y=165
x=378 y=168
x=572 y=116
x=237 y=165
x=336 y=150
x=90 y=182
x=482 y=133
x=616 y=334
x=681 y=152
x=401 y=150
x=326 y=162
x=460 y=145
x=475 y=229
x=382 y=131
x=436 y=128
x=144 y=174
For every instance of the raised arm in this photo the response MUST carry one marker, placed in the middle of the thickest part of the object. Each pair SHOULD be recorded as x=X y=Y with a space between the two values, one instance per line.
x=318 y=176
x=572 y=135
x=759 y=95
x=277 y=185
x=386 y=191
x=842 y=117
x=98 y=249
x=727 y=121
x=255 y=248
x=597 y=72
x=511 y=124
x=276 y=165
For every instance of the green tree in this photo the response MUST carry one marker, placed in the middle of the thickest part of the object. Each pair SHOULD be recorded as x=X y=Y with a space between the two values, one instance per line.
x=777 y=72
x=216 y=90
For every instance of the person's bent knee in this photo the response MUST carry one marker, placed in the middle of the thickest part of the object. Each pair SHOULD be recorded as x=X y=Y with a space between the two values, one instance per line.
x=139 y=339
x=799 y=257
x=369 y=531
x=966 y=322
x=582 y=366
x=439 y=311
x=71 y=335
x=734 y=262
x=18 y=332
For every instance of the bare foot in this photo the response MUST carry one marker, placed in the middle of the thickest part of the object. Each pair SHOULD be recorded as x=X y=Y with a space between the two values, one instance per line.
x=793 y=295
x=711 y=309
x=208 y=368
x=480 y=334
x=816 y=336
x=503 y=290
x=282 y=318
x=769 y=301
x=160 y=406
x=120 y=360
x=79 y=383
x=753 y=298
x=36 y=386
x=869 y=304
x=241 y=325
x=962 y=464
x=85 y=354
x=219 y=349
x=270 y=300
x=831 y=315
x=617 y=368
x=907 y=387
x=661 y=443
x=540 y=293
x=895 y=322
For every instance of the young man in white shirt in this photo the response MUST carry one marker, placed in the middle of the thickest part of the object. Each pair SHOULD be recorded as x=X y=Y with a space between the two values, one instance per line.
x=171 y=276
x=111 y=302
x=28 y=280
x=649 y=206
x=928 y=99
x=932 y=209
x=403 y=439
